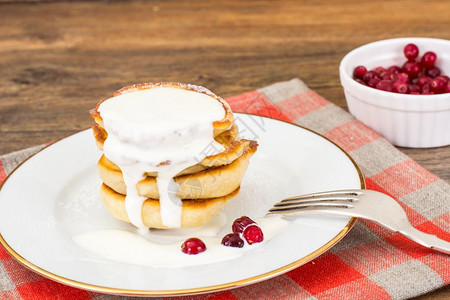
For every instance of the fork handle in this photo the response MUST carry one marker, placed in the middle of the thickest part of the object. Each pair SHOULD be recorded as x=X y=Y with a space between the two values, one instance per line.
x=427 y=240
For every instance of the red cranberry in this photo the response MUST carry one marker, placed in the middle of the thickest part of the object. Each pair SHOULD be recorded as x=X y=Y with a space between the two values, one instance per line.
x=447 y=87
x=443 y=77
x=437 y=85
x=423 y=80
x=380 y=70
x=428 y=93
x=428 y=60
x=402 y=76
x=426 y=89
x=388 y=76
x=360 y=81
x=413 y=88
x=232 y=240
x=373 y=82
x=400 y=87
x=414 y=93
x=412 y=68
x=384 y=85
x=193 y=246
x=394 y=69
x=369 y=75
x=253 y=234
x=433 y=72
x=359 y=72
x=411 y=51
x=241 y=223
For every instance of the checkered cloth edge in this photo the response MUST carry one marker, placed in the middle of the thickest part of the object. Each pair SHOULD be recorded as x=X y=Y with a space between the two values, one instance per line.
x=369 y=263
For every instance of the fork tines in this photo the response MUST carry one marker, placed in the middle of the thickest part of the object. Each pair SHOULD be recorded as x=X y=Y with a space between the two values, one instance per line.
x=325 y=200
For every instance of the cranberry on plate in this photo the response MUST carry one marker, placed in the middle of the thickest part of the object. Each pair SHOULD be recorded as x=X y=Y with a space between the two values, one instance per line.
x=193 y=246
x=246 y=229
x=233 y=240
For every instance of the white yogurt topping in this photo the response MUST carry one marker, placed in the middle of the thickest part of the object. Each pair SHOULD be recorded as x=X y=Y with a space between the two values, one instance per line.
x=163 y=130
x=147 y=250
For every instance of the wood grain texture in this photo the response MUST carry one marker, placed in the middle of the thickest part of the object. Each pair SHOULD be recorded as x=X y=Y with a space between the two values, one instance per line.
x=57 y=59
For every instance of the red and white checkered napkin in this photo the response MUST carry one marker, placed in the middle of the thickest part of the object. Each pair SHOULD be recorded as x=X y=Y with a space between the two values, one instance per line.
x=369 y=263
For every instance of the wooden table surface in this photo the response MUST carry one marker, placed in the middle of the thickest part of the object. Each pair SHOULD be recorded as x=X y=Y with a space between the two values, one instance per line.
x=57 y=59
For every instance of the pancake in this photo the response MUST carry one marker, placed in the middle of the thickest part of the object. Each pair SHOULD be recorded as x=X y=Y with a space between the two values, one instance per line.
x=209 y=183
x=219 y=126
x=194 y=212
x=230 y=154
x=178 y=136
x=228 y=139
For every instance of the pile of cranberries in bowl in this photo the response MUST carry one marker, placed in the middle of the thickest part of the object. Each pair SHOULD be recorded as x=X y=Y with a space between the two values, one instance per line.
x=417 y=76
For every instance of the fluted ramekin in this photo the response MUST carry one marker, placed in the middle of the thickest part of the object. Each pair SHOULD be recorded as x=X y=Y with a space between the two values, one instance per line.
x=418 y=121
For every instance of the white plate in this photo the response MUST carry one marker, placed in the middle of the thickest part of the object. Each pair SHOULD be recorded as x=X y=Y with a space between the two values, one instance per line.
x=53 y=196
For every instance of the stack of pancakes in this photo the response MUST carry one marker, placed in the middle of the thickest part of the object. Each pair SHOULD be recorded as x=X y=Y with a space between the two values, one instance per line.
x=204 y=188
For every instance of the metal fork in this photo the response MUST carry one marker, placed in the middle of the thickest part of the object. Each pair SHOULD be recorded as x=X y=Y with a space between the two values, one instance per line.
x=366 y=204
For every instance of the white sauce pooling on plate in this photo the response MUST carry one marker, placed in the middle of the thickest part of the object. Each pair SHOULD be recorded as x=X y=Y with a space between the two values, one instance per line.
x=128 y=247
x=163 y=130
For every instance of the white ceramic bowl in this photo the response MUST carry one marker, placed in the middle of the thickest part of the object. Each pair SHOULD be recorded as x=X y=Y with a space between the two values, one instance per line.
x=418 y=121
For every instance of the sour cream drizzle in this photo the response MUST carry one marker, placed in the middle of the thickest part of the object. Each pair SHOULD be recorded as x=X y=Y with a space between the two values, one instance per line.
x=163 y=130
x=145 y=249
